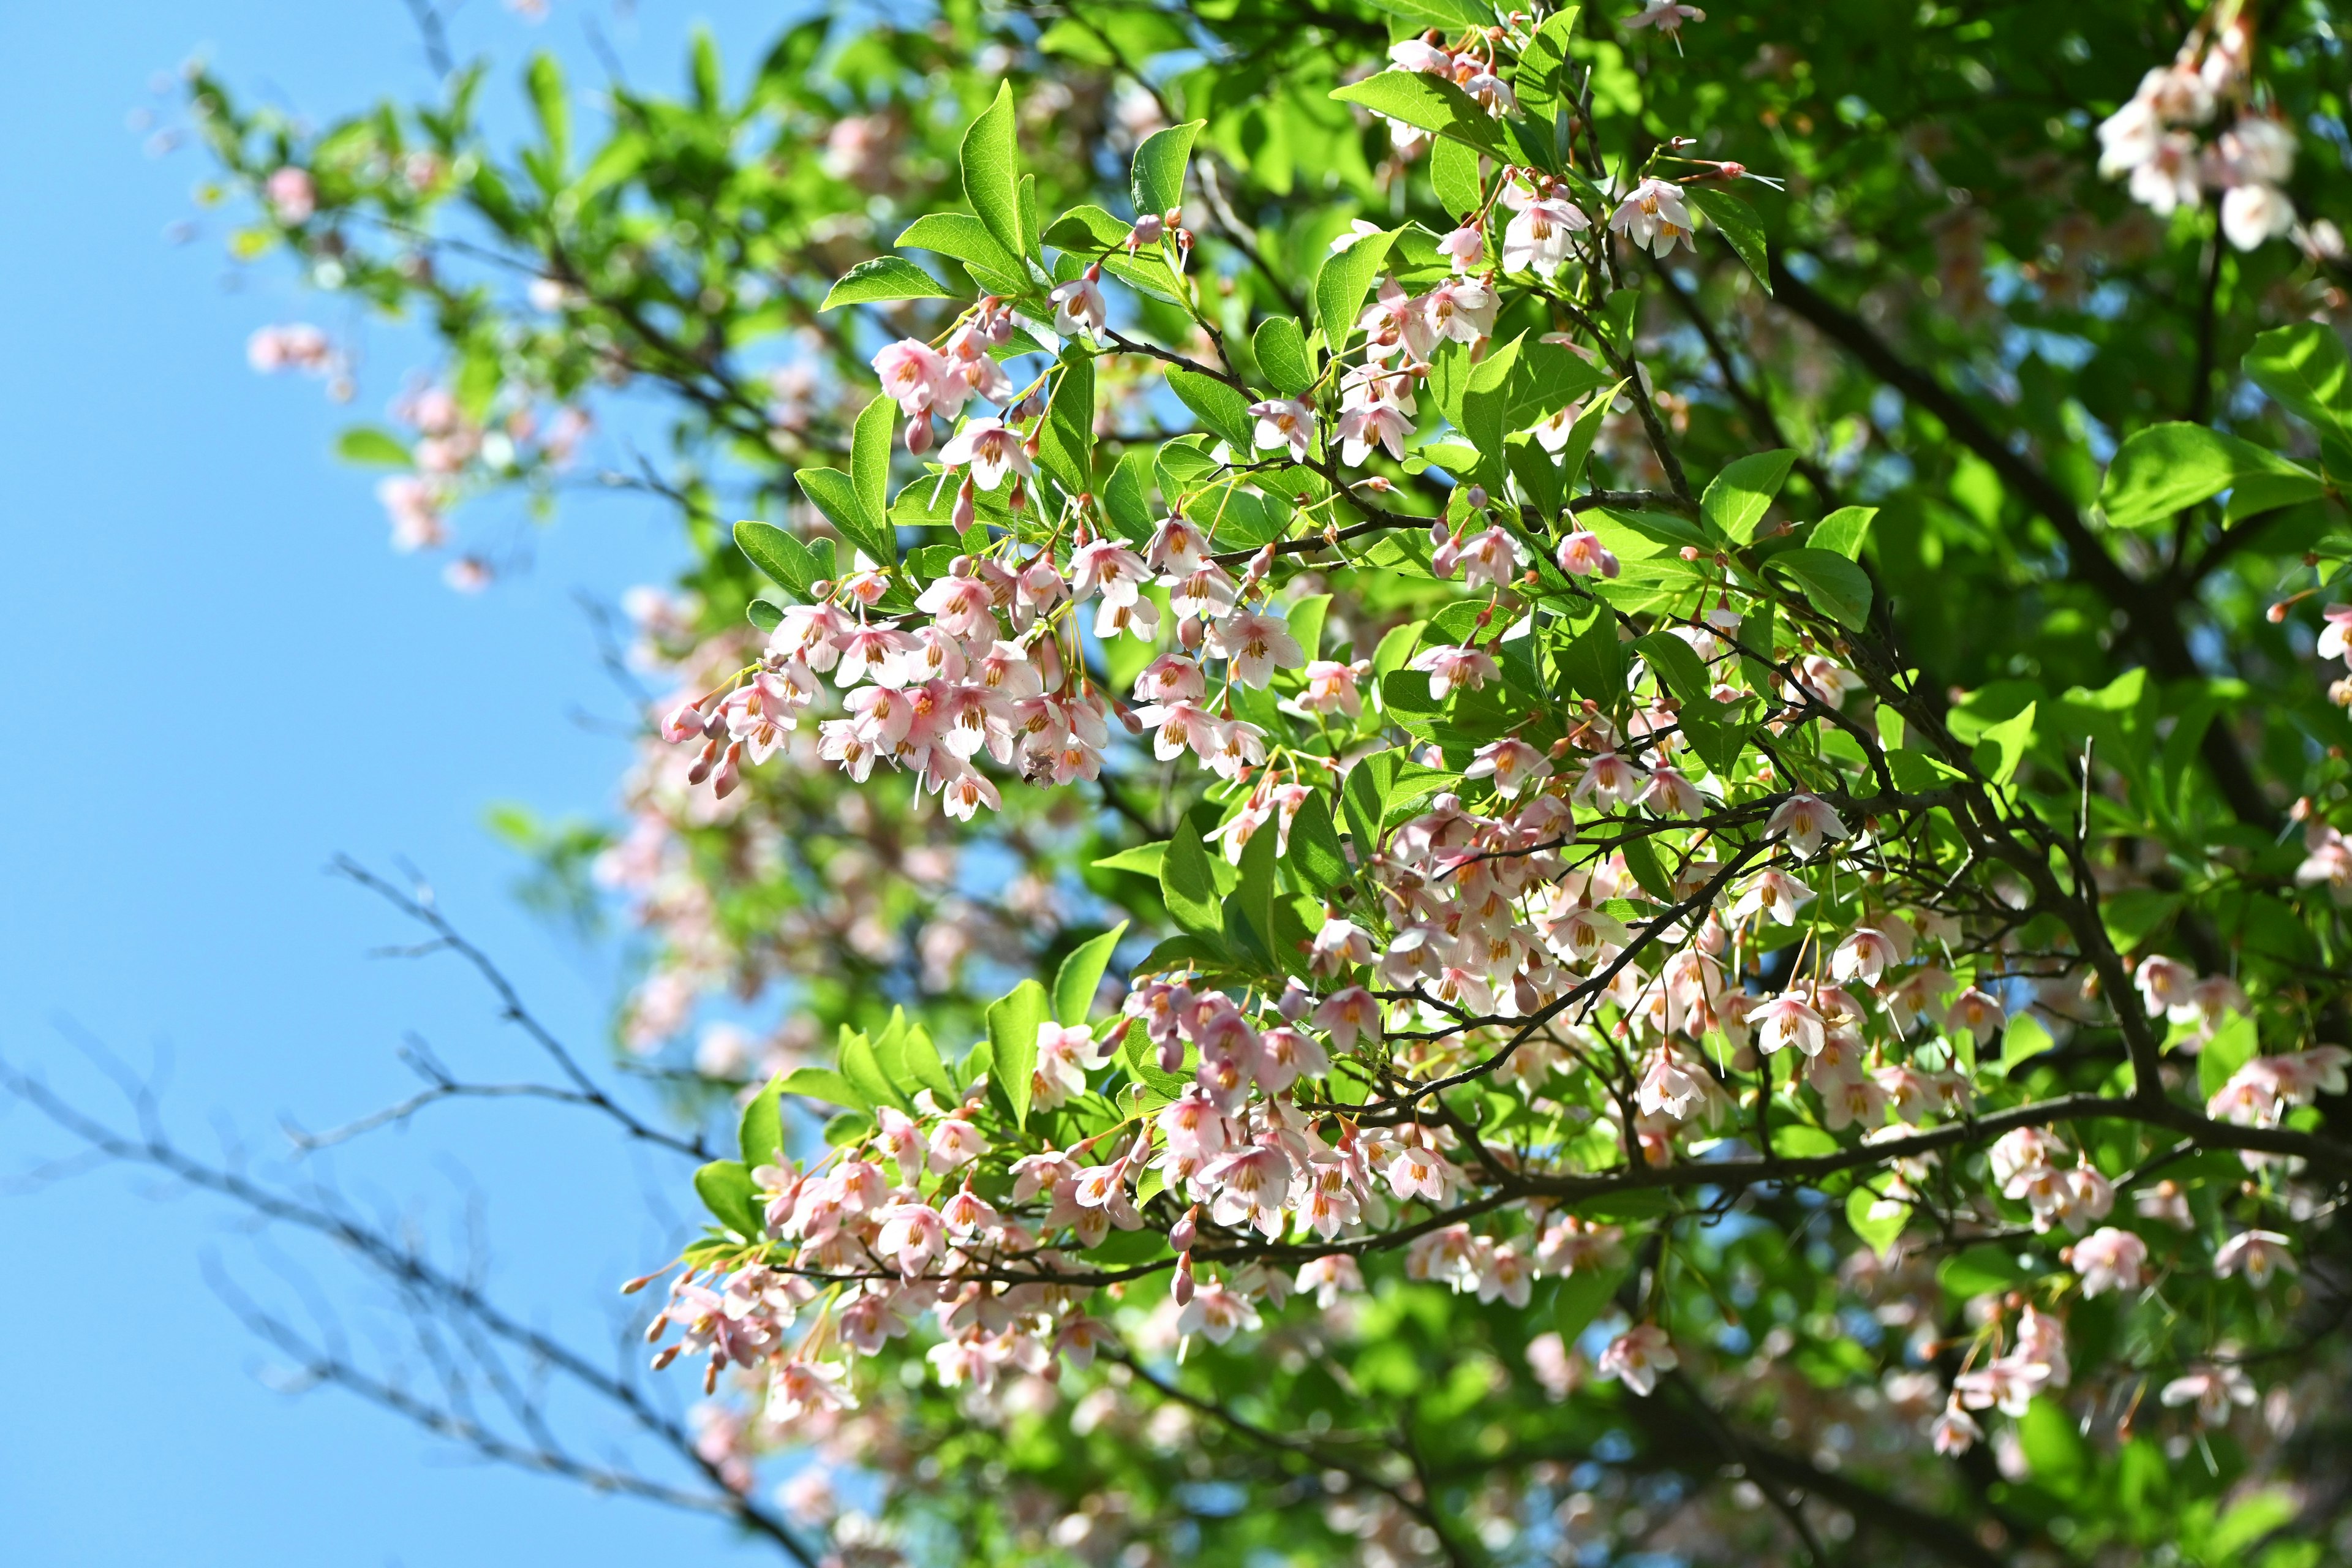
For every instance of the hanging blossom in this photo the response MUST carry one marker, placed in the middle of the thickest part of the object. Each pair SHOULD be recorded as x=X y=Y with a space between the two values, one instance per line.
x=2164 y=141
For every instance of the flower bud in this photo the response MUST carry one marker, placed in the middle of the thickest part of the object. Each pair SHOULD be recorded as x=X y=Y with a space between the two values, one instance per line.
x=918 y=435
x=730 y=772
x=703 y=763
x=1189 y=635
x=1182 y=1286
x=1475 y=496
x=1185 y=1231
x=965 y=512
x=682 y=723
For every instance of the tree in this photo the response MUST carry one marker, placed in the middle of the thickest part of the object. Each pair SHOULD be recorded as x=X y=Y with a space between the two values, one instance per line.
x=1509 y=787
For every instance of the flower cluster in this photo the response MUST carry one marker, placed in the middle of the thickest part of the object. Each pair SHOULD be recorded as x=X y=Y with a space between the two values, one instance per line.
x=2159 y=139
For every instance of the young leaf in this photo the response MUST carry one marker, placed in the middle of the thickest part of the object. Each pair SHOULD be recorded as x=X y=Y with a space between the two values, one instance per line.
x=552 y=105
x=992 y=173
x=1430 y=103
x=2162 y=470
x=1741 y=494
x=1188 y=884
x=1832 y=583
x=869 y=467
x=778 y=555
x=761 y=1132
x=1157 y=178
x=2305 y=370
x=1218 y=406
x=970 y=241
x=1065 y=447
x=1013 y=1022
x=1340 y=286
x=834 y=494
x=377 y=447
x=1844 y=530
x=1739 y=224
x=1281 y=350
x=1454 y=171
x=882 y=278
x=1317 y=858
x=2008 y=742
x=1879 y=1234
x=726 y=1189
x=1080 y=976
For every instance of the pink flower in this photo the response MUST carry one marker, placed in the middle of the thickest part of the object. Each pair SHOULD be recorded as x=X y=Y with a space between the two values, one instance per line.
x=2212 y=1389
x=1955 y=1431
x=1637 y=1356
x=1582 y=555
x=1652 y=216
x=1513 y=764
x=2009 y=1385
x=1465 y=246
x=1665 y=16
x=1346 y=1015
x=990 y=447
x=1331 y=687
x=1217 y=1313
x=801 y=1386
x=1366 y=426
x=1449 y=667
x=1805 y=820
x=2335 y=636
x=912 y=373
x=2109 y=1260
x=1283 y=422
x=2258 y=1254
x=292 y=195
x=1788 y=1020
x=1340 y=944
x=1078 y=305
x=1255 y=645
x=1537 y=239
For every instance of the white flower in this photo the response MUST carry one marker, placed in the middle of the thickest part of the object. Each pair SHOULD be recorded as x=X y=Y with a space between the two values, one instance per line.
x=2253 y=214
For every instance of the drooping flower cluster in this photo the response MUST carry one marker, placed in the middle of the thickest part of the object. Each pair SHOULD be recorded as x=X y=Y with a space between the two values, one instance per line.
x=2159 y=140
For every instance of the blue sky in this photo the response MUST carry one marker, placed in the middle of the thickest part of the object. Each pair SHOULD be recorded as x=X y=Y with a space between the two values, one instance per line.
x=217 y=678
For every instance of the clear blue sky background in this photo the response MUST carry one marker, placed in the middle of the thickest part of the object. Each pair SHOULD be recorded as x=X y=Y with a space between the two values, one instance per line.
x=215 y=676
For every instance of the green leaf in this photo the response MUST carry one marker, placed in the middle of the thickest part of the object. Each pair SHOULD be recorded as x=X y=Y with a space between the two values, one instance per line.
x=1537 y=83
x=1844 y=530
x=834 y=494
x=726 y=1189
x=1281 y=350
x=761 y=1131
x=1736 y=503
x=1979 y=1271
x=784 y=558
x=1582 y=1297
x=972 y=242
x=2304 y=369
x=1127 y=495
x=1878 y=1234
x=884 y=278
x=1430 y=103
x=1157 y=178
x=373 y=447
x=1486 y=403
x=1595 y=664
x=1642 y=860
x=1454 y=171
x=825 y=1084
x=1013 y=1021
x=2054 y=1450
x=1256 y=892
x=1739 y=224
x=1316 y=856
x=1340 y=286
x=1065 y=447
x=2023 y=1038
x=1833 y=585
x=2009 y=741
x=1188 y=885
x=2166 y=467
x=552 y=106
x=862 y=1065
x=1677 y=668
x=1218 y=407
x=990 y=162
x=1144 y=859
x=2234 y=1045
x=869 y=469
x=1075 y=983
